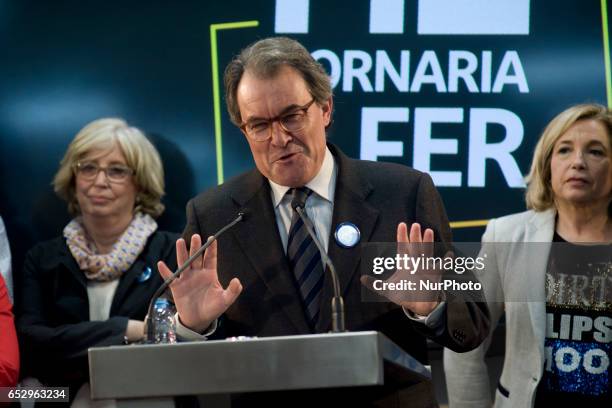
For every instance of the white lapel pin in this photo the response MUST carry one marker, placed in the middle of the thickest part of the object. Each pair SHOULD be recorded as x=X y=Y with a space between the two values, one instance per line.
x=347 y=234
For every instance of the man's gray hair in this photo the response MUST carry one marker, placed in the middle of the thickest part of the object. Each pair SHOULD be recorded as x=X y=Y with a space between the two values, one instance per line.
x=263 y=59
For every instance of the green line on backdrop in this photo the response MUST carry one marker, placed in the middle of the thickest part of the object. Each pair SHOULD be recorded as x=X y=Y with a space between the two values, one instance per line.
x=468 y=224
x=606 y=46
x=216 y=91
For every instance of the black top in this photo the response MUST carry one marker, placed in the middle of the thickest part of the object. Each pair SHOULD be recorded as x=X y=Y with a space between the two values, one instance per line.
x=578 y=330
x=53 y=325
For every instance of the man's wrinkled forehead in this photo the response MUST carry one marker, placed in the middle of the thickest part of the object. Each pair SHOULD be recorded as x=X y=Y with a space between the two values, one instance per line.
x=266 y=72
x=270 y=77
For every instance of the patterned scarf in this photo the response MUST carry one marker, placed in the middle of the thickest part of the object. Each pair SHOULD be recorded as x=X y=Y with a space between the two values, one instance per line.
x=108 y=267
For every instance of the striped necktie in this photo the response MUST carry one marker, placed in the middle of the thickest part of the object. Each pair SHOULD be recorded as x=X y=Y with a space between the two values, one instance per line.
x=305 y=259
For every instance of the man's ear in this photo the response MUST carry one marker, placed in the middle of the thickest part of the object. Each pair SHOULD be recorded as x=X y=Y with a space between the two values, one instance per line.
x=328 y=108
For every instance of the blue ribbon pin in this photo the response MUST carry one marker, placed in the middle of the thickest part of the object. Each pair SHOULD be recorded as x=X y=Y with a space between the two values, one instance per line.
x=145 y=275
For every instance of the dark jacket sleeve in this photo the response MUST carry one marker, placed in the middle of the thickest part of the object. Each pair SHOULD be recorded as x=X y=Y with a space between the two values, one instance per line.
x=465 y=323
x=430 y=211
x=9 y=355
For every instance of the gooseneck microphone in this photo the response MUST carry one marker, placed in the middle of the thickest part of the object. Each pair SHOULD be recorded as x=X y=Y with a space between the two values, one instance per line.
x=337 y=303
x=148 y=324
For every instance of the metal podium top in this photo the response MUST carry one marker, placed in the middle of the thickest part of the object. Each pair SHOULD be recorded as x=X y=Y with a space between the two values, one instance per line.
x=258 y=364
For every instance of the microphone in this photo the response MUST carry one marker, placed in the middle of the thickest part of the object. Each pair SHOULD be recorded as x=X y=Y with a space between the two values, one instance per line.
x=337 y=303
x=242 y=215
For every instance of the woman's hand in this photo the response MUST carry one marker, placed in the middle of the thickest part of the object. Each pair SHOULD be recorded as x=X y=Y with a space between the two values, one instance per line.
x=198 y=295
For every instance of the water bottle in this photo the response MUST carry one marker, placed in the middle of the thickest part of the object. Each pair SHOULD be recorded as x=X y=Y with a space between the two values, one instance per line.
x=164 y=326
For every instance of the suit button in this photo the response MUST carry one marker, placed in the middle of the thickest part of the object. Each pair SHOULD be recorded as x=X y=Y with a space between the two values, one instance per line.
x=459 y=335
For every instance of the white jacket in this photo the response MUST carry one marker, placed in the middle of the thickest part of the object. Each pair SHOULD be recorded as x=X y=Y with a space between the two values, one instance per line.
x=514 y=271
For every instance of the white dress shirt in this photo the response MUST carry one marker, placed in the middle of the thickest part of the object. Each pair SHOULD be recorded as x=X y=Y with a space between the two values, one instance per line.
x=319 y=206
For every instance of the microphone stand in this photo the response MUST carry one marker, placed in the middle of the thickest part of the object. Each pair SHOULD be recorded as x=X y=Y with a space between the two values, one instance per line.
x=337 y=303
x=149 y=338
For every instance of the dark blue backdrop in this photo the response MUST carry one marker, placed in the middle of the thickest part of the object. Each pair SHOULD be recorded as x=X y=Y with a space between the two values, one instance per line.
x=65 y=63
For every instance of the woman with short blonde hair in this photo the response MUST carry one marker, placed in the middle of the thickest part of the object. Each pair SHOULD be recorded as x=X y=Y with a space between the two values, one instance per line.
x=546 y=270
x=140 y=155
x=539 y=195
x=92 y=285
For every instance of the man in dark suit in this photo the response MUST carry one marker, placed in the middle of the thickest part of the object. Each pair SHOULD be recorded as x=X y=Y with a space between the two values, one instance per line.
x=267 y=279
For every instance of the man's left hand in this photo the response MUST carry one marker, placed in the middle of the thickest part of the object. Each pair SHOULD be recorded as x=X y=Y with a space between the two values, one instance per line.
x=415 y=245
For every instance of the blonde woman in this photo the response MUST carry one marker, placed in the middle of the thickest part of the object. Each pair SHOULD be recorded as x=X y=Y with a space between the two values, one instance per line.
x=91 y=285
x=556 y=297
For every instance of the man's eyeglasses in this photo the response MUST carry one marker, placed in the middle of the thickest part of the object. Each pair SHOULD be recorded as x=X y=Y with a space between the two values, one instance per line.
x=115 y=173
x=291 y=122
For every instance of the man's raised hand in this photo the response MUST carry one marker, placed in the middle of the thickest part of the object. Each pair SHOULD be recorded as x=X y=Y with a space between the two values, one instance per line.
x=198 y=295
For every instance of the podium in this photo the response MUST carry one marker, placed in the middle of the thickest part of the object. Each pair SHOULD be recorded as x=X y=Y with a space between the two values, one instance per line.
x=150 y=375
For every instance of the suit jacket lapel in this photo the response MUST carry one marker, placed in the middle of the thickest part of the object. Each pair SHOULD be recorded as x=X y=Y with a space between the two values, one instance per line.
x=539 y=236
x=260 y=241
x=70 y=263
x=350 y=205
x=128 y=280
